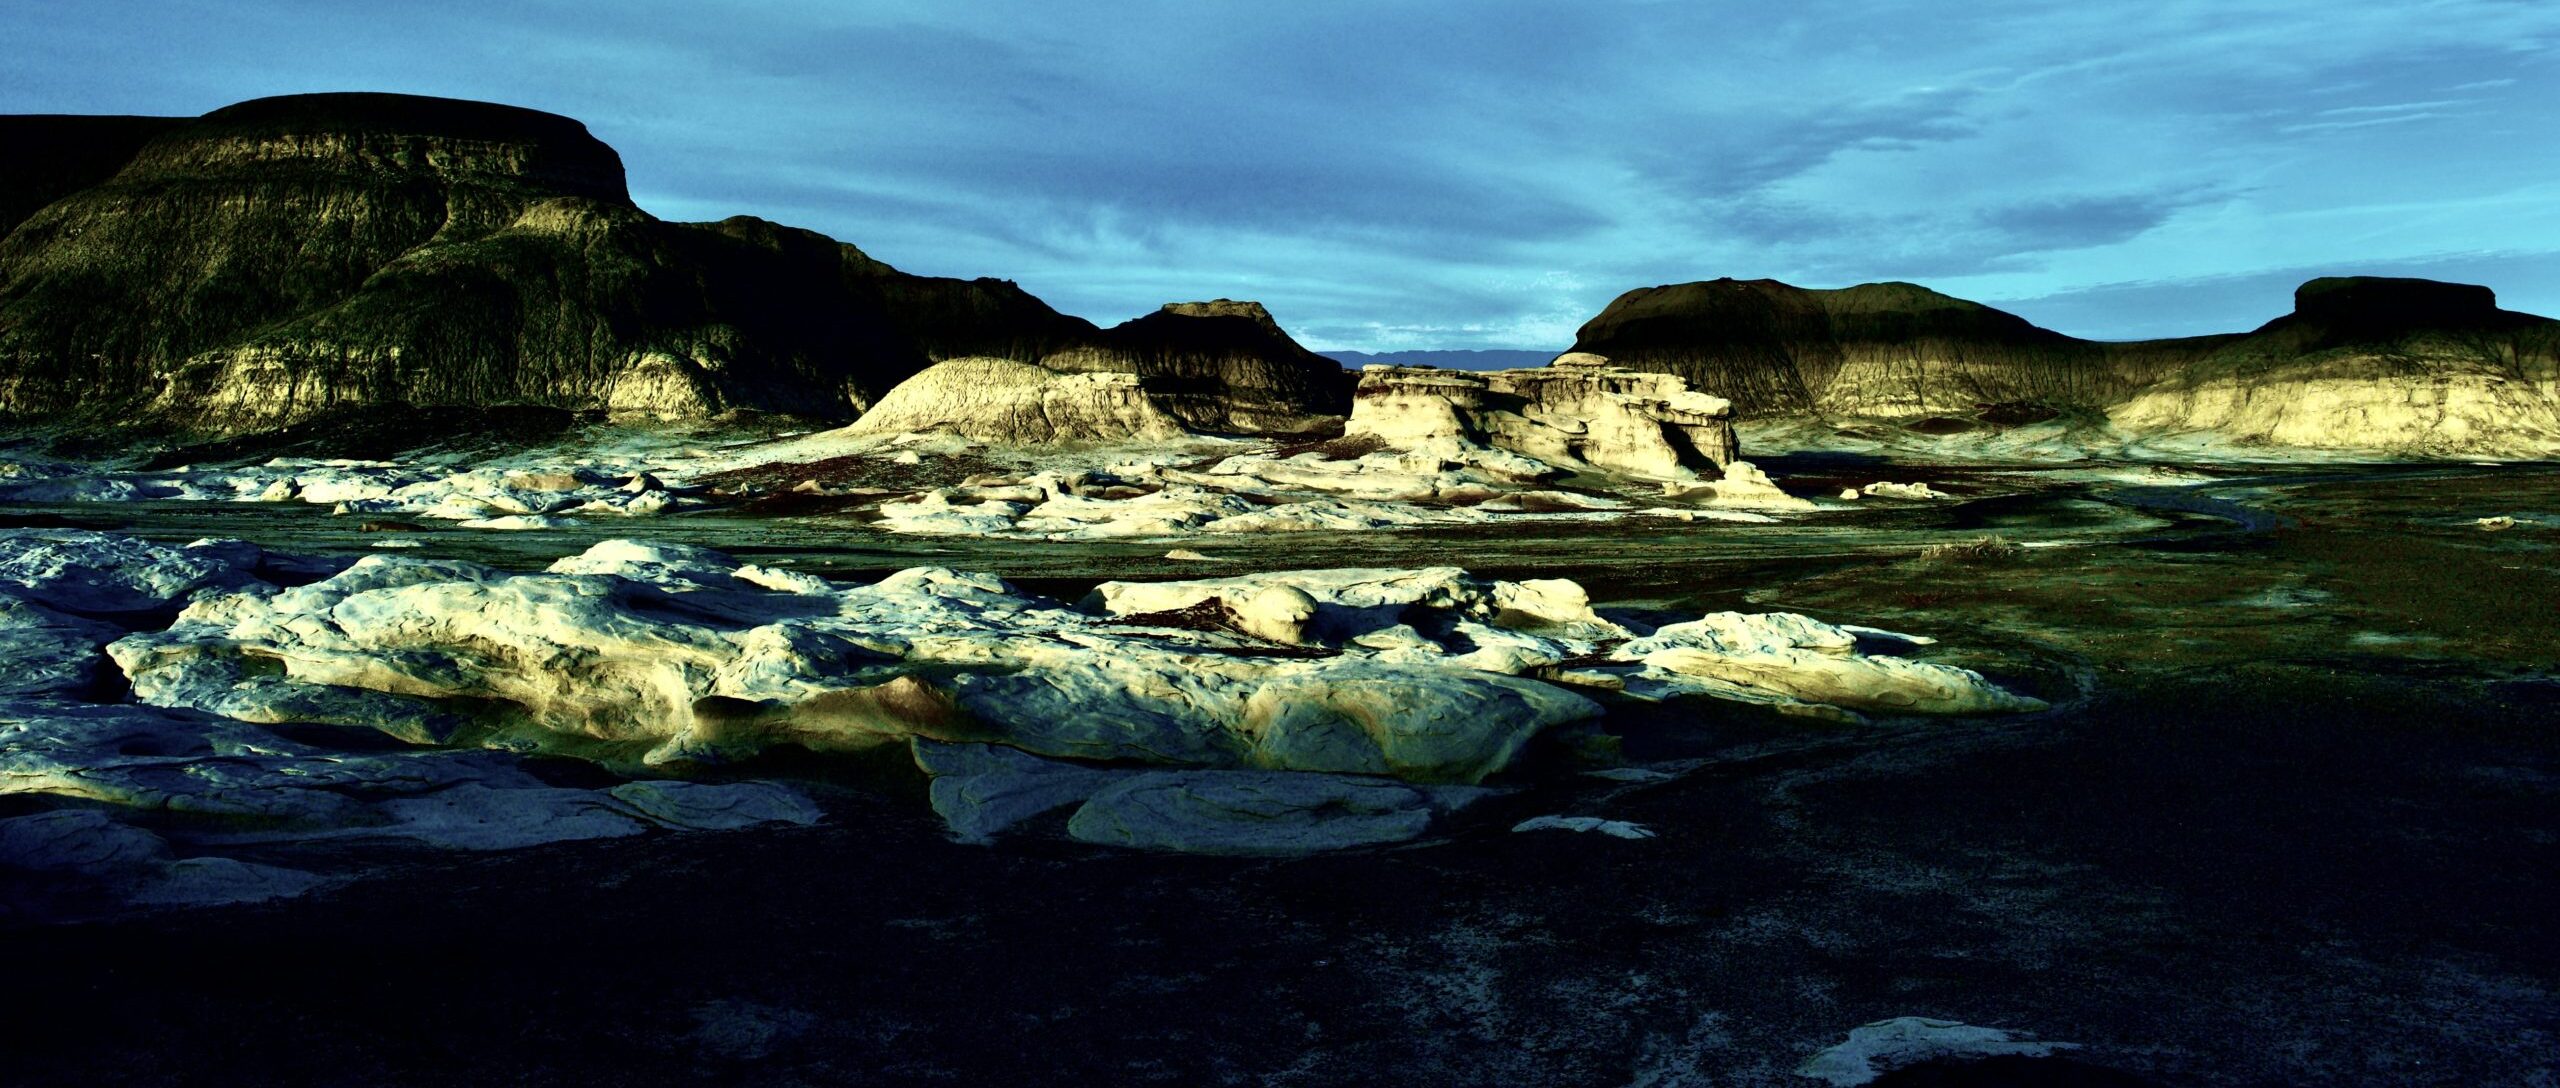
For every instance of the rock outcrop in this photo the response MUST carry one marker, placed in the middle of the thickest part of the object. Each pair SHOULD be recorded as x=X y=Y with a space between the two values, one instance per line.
x=292 y=258
x=1222 y=366
x=2392 y=365
x=1020 y=404
x=287 y=258
x=1219 y=366
x=1580 y=411
x=319 y=710
x=1877 y=349
x=56 y=155
x=2397 y=365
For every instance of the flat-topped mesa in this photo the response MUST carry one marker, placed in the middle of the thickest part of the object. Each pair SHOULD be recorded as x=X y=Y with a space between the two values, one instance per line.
x=290 y=258
x=2373 y=363
x=1223 y=307
x=1221 y=366
x=1879 y=349
x=391 y=137
x=1579 y=410
x=2393 y=299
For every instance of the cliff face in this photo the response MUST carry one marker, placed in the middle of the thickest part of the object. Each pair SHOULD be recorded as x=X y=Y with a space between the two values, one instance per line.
x=1581 y=410
x=290 y=258
x=1220 y=365
x=2361 y=363
x=55 y=156
x=285 y=258
x=1877 y=349
x=2373 y=363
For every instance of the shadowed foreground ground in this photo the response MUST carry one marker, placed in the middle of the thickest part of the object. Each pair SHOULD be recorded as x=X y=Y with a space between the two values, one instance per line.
x=2299 y=875
x=2304 y=831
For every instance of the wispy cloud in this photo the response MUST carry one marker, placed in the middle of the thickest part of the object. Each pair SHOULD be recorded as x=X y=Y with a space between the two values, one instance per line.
x=1391 y=174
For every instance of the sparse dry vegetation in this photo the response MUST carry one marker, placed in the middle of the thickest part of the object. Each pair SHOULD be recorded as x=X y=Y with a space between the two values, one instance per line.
x=1977 y=550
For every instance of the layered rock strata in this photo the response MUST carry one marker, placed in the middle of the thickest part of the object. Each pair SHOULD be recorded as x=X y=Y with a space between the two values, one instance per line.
x=2401 y=365
x=2397 y=366
x=292 y=258
x=1878 y=349
x=1579 y=411
x=1219 y=366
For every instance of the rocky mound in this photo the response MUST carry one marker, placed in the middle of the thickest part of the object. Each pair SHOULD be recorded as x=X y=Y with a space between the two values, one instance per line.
x=2399 y=365
x=1877 y=349
x=2363 y=363
x=1737 y=339
x=1019 y=404
x=1220 y=365
x=1581 y=410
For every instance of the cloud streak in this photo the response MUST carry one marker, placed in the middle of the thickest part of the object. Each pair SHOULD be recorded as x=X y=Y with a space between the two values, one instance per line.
x=1484 y=174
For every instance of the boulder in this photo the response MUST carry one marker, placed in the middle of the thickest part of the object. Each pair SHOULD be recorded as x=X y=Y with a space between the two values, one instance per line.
x=1616 y=829
x=1873 y=1050
x=123 y=864
x=980 y=790
x=1802 y=659
x=1260 y=814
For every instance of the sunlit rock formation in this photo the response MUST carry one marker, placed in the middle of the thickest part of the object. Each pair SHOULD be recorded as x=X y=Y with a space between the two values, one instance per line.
x=1579 y=411
x=686 y=656
x=1877 y=349
x=2400 y=365
x=1020 y=404
x=222 y=695
x=2395 y=366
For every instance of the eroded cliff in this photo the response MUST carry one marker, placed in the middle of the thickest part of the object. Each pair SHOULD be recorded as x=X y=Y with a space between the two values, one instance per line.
x=2400 y=365
x=1220 y=365
x=292 y=258
x=1876 y=349
x=2364 y=363
x=1579 y=411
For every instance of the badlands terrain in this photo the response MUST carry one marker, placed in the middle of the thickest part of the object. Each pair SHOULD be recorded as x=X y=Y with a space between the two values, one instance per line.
x=504 y=635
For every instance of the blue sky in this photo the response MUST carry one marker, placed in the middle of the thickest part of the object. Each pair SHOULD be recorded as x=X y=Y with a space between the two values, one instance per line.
x=1392 y=175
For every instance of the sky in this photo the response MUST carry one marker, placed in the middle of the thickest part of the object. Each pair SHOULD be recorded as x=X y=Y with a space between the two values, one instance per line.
x=1393 y=175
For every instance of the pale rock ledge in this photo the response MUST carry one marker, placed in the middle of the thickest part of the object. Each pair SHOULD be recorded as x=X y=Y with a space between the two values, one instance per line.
x=1577 y=411
x=1020 y=404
